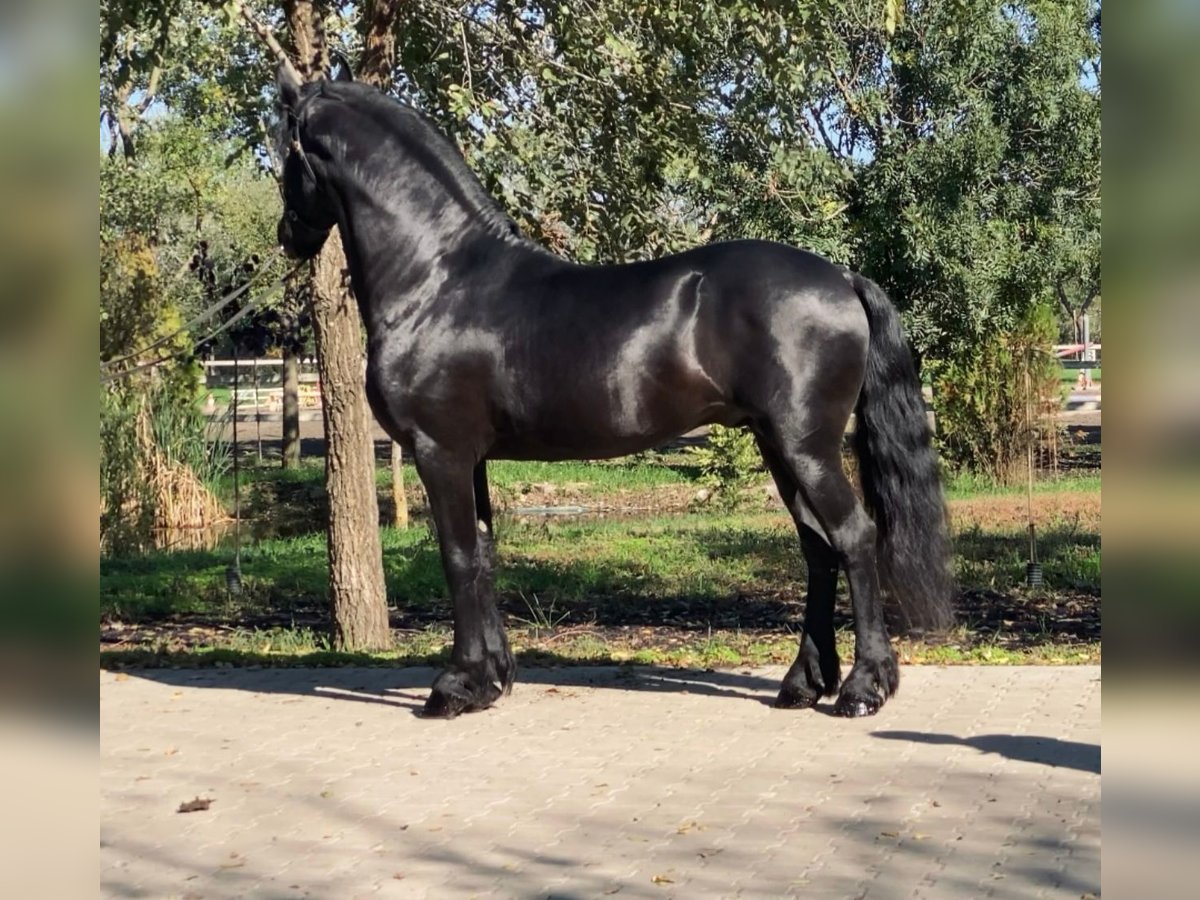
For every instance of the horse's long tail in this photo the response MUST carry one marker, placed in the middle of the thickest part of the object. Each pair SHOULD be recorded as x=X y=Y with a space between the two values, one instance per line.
x=899 y=471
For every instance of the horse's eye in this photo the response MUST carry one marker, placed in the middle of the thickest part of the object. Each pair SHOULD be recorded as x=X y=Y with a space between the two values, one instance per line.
x=291 y=215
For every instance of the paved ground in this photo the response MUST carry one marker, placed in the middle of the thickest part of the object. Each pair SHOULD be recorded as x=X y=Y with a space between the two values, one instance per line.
x=972 y=782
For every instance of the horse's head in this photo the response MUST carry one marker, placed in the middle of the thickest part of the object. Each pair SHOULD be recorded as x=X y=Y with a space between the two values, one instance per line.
x=308 y=207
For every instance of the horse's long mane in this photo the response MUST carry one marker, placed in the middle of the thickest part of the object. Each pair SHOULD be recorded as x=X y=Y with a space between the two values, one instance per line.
x=426 y=142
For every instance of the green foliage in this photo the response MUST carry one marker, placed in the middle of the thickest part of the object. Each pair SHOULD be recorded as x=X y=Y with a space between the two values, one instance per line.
x=153 y=416
x=728 y=461
x=127 y=511
x=179 y=429
x=156 y=209
x=992 y=402
x=979 y=194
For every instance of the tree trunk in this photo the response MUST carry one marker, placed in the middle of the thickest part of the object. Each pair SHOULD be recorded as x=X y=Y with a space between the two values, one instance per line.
x=379 y=43
x=291 y=410
x=357 y=593
x=400 y=501
x=308 y=38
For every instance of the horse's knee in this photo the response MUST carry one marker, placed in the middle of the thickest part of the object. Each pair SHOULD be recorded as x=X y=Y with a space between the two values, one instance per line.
x=818 y=554
x=855 y=538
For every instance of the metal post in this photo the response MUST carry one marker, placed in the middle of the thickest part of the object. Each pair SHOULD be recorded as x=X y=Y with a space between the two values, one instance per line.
x=233 y=573
x=1088 y=353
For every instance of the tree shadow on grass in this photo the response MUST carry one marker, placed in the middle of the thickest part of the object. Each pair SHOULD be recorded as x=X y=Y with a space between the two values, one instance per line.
x=694 y=581
x=285 y=583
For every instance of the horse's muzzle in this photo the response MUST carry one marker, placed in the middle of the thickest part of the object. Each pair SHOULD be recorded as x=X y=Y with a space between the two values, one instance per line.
x=299 y=243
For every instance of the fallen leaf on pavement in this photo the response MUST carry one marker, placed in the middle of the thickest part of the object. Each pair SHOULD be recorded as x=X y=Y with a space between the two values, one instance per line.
x=199 y=804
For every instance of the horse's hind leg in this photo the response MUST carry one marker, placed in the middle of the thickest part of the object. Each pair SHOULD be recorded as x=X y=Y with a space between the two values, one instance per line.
x=815 y=463
x=481 y=664
x=483 y=515
x=816 y=672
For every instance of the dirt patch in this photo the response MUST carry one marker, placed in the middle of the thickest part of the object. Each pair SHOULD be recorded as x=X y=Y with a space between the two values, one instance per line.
x=1011 y=513
x=993 y=513
x=583 y=497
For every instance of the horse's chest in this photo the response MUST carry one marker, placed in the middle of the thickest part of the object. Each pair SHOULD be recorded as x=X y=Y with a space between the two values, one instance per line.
x=385 y=393
x=414 y=387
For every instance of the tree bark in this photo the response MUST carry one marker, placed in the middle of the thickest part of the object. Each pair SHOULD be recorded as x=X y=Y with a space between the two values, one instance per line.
x=357 y=594
x=308 y=38
x=291 y=409
x=379 y=43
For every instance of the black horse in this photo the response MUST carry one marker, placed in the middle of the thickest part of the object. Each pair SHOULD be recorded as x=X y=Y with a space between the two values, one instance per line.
x=482 y=345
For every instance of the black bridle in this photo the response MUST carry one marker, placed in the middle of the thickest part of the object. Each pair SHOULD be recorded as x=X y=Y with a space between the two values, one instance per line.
x=296 y=221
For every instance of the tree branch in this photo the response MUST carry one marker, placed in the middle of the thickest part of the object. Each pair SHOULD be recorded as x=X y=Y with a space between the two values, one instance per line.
x=151 y=91
x=1088 y=302
x=1062 y=299
x=267 y=36
x=125 y=119
x=852 y=103
x=833 y=149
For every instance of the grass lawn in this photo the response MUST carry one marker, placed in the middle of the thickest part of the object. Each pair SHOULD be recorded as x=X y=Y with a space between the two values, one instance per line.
x=652 y=580
x=519 y=483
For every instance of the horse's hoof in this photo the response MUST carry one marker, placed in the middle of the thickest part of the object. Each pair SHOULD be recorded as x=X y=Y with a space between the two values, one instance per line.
x=440 y=706
x=870 y=683
x=811 y=677
x=456 y=692
x=855 y=706
x=795 y=698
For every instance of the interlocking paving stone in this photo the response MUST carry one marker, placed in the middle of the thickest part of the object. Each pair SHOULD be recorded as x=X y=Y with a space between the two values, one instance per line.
x=595 y=782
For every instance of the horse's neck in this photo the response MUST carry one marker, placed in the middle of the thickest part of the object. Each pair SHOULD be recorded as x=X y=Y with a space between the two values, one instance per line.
x=396 y=247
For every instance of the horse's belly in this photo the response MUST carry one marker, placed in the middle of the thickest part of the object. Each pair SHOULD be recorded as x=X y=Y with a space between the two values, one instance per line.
x=599 y=430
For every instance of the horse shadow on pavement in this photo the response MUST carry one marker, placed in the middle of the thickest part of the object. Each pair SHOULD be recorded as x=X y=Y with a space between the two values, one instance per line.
x=407 y=687
x=1047 y=751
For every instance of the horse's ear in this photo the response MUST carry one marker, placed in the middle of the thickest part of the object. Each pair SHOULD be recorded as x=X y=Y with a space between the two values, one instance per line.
x=341 y=67
x=289 y=85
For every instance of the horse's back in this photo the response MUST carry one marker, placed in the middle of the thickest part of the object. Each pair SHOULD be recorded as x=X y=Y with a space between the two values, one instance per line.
x=619 y=358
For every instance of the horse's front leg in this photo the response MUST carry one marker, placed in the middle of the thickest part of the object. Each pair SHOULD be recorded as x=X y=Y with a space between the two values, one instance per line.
x=481 y=664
